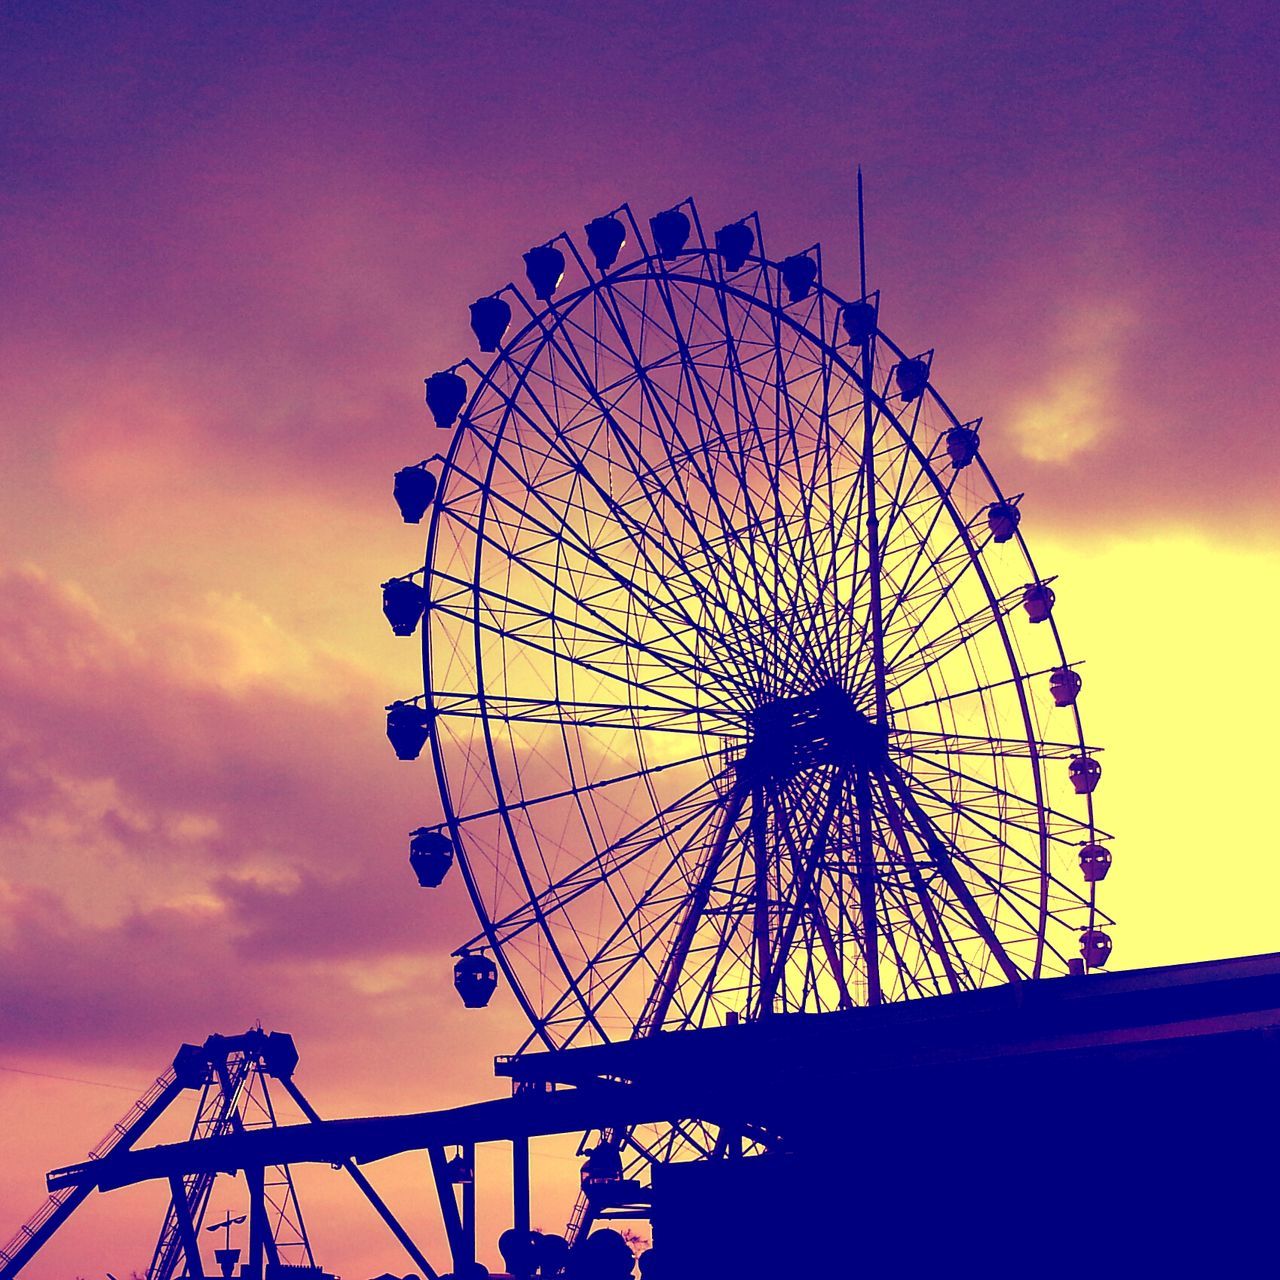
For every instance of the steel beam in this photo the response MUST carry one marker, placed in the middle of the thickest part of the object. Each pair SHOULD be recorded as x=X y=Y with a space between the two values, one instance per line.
x=186 y=1228
x=379 y=1205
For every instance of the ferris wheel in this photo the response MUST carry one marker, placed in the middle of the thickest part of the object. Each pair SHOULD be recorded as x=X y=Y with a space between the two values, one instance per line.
x=743 y=692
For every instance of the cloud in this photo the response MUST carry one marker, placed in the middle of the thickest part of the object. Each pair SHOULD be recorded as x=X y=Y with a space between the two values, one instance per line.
x=1074 y=409
x=235 y=245
x=76 y=989
x=213 y=759
x=208 y=720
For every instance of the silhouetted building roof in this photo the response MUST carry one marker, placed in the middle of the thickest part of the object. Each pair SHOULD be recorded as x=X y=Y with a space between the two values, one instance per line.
x=797 y=1074
x=1139 y=1011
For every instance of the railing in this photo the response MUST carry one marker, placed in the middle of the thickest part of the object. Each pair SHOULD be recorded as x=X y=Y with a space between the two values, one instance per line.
x=55 y=1200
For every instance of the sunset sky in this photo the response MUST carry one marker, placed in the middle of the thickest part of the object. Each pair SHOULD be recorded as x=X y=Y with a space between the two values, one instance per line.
x=233 y=240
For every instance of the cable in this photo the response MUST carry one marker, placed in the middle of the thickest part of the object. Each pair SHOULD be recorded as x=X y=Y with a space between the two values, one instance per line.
x=45 y=1075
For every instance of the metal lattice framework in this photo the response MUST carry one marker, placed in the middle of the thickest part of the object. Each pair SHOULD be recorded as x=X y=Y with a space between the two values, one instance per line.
x=231 y=1076
x=736 y=703
x=234 y=1098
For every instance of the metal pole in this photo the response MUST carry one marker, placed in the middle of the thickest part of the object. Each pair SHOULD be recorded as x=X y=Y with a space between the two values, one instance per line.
x=862 y=786
x=469 y=1205
x=259 y=1229
x=763 y=950
x=862 y=240
x=406 y=1243
x=867 y=884
x=520 y=1197
x=186 y=1228
x=453 y=1228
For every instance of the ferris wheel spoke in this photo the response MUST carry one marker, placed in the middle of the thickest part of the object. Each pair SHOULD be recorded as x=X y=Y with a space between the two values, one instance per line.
x=867 y=883
x=1023 y=906
x=800 y=814
x=894 y=898
x=948 y=566
x=924 y=555
x=850 y=513
x=599 y=651
x=1030 y=805
x=964 y=630
x=961 y=633
x=987 y=686
x=707 y=398
x=527 y=803
x=564 y=534
x=744 y=892
x=908 y=450
x=818 y=550
x=930 y=743
x=700 y=402
x=574 y=596
x=804 y=882
x=653 y=393
x=922 y=477
x=823 y=477
x=808 y=809
x=655 y=1013
x=941 y=944
x=918 y=972
x=631 y=716
x=943 y=858
x=729 y=947
x=1007 y=893
x=615 y=670
x=785 y=434
x=614 y=674
x=880 y=549
x=850 y=519
x=978 y=819
x=776 y=525
x=641 y=531
x=954 y=555
x=640 y=535
x=670 y=422
x=830 y=582
x=753 y=404
x=655 y=912
x=659 y=918
x=737 y=936
x=596 y=870
x=873 y=409
x=592 y=596
x=919 y=547
x=692 y=372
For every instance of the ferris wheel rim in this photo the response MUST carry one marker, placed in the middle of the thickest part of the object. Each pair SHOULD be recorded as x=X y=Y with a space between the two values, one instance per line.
x=646 y=267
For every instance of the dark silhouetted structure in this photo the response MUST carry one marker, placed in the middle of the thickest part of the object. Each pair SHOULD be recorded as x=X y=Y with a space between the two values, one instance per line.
x=1127 y=1118
x=230 y=1076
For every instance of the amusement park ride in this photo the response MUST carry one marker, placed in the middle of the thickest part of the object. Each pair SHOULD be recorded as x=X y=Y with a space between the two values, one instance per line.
x=745 y=702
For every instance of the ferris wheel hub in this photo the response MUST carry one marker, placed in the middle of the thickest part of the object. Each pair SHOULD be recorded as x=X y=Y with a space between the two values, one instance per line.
x=805 y=731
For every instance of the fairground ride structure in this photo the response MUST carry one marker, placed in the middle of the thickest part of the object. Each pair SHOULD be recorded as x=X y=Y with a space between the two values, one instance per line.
x=743 y=692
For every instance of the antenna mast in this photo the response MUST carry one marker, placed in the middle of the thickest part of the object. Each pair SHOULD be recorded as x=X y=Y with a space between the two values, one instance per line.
x=862 y=238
